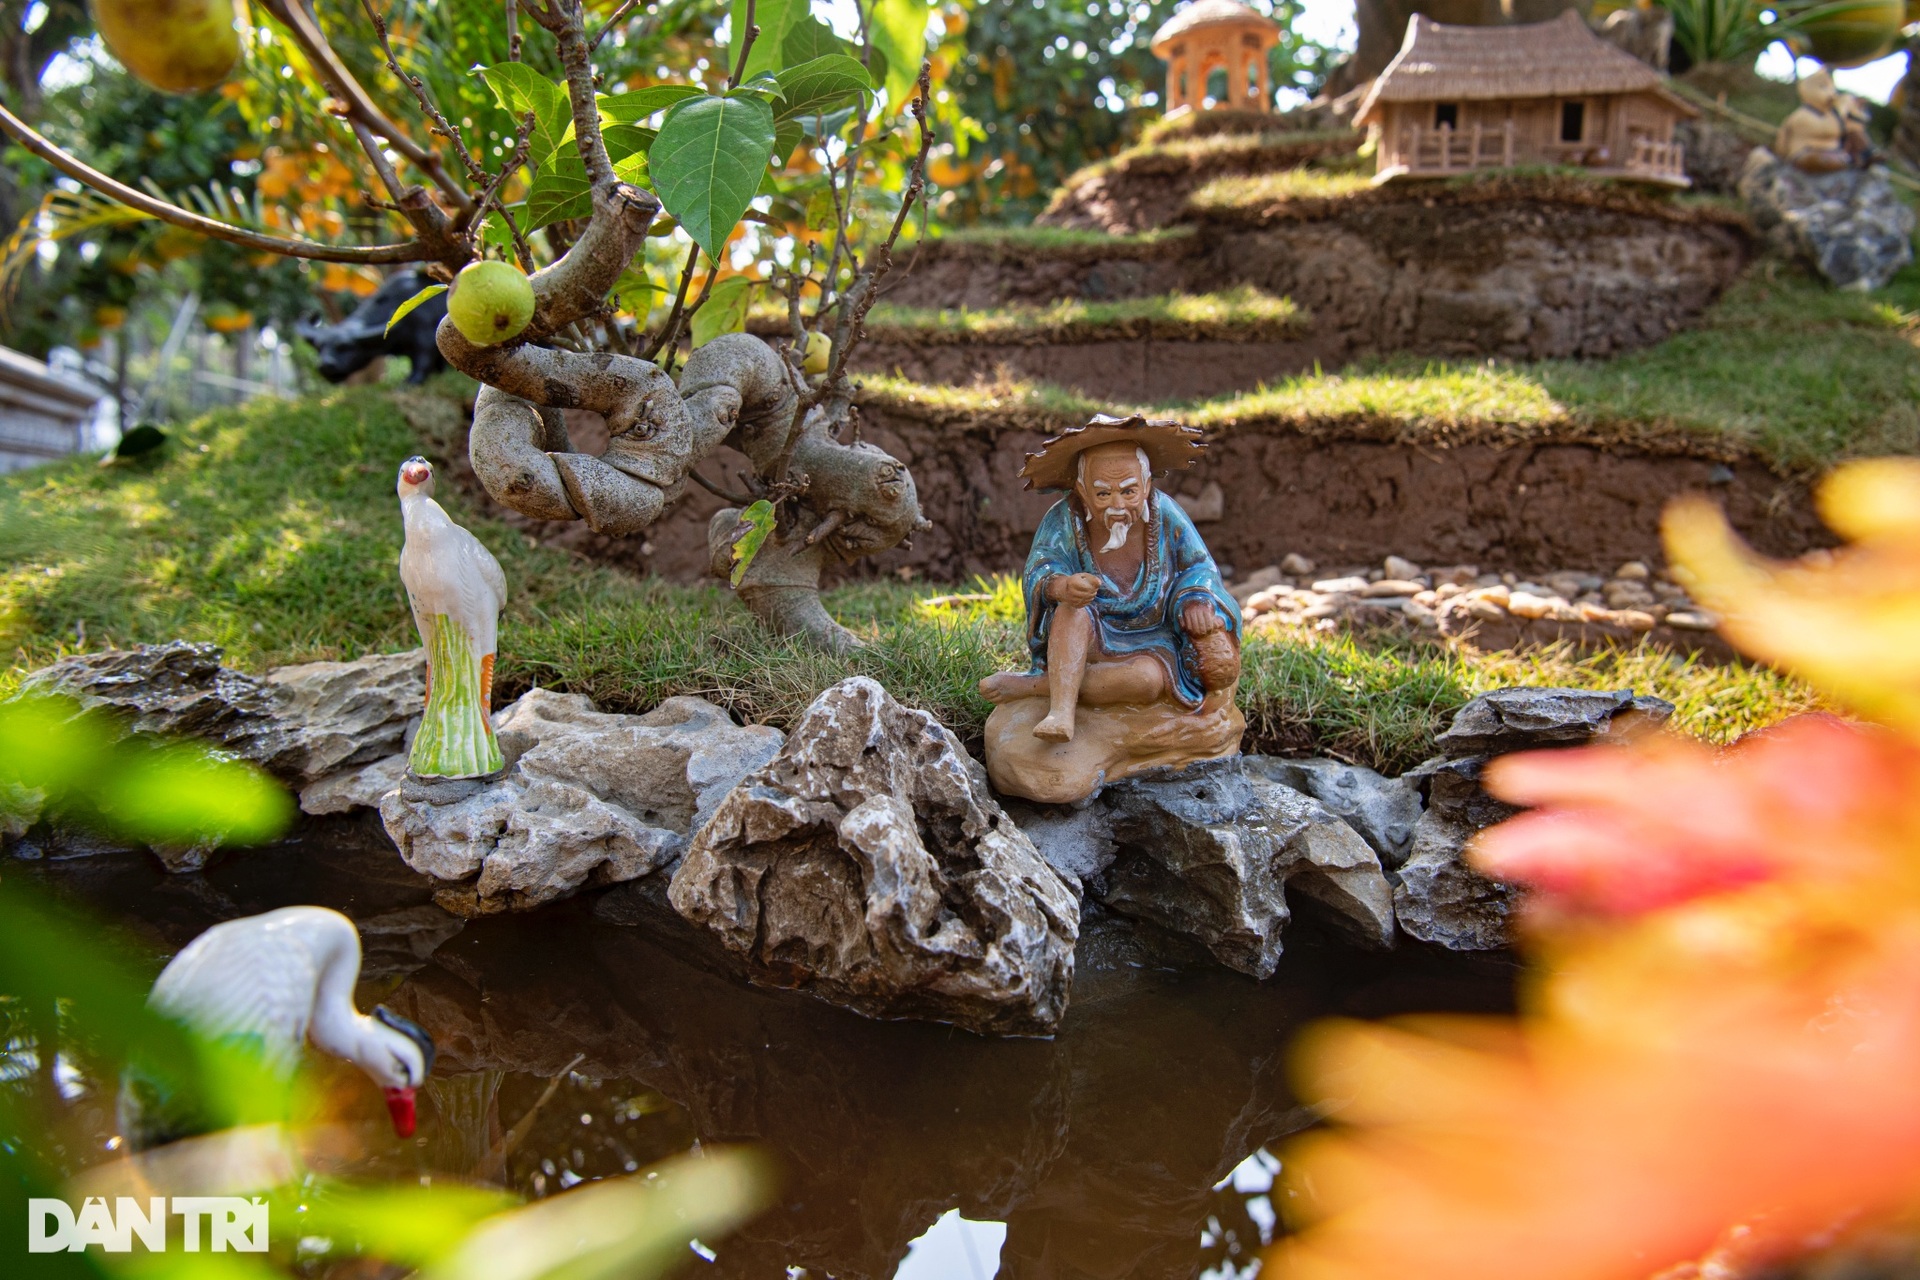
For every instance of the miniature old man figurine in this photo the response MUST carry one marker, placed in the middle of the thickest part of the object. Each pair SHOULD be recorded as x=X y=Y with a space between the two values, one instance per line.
x=1135 y=641
x=1827 y=132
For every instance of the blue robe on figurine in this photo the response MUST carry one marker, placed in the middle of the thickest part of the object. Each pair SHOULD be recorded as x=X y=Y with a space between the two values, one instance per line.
x=1142 y=617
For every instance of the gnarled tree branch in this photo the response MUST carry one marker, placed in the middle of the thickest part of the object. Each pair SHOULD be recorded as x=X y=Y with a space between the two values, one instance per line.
x=166 y=211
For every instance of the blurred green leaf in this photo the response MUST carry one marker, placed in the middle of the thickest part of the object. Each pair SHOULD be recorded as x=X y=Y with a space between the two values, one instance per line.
x=520 y=89
x=809 y=38
x=635 y=288
x=724 y=311
x=822 y=85
x=708 y=161
x=899 y=29
x=409 y=1225
x=774 y=18
x=633 y=1228
x=560 y=191
x=749 y=535
x=406 y=308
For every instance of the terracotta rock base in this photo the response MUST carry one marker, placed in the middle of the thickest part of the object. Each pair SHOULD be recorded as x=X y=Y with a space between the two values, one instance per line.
x=1109 y=743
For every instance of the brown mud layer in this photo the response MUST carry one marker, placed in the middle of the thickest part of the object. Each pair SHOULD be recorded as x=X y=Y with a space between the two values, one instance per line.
x=1552 y=269
x=1522 y=504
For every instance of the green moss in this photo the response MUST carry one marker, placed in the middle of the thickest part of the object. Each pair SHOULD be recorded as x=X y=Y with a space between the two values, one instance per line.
x=274 y=531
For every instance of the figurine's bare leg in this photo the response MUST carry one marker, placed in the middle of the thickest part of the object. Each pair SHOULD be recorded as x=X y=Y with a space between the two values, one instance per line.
x=1068 y=639
x=1011 y=686
x=1134 y=681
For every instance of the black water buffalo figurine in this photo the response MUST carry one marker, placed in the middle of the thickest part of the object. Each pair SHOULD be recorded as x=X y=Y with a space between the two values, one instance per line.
x=350 y=346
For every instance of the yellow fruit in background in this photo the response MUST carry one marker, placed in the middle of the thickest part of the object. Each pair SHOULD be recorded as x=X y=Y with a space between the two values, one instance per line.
x=819 y=351
x=490 y=302
x=1856 y=34
x=229 y=320
x=109 y=317
x=177 y=46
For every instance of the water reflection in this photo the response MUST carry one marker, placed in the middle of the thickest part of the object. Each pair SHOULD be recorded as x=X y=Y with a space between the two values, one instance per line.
x=572 y=1048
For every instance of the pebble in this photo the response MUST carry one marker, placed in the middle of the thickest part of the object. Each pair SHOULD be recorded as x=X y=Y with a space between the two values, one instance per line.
x=1393 y=587
x=1399 y=568
x=1633 y=571
x=1341 y=586
x=1295 y=565
x=1691 y=620
x=1458 y=575
x=1525 y=604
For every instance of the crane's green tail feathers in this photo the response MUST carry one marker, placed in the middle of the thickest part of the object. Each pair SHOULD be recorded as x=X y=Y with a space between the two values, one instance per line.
x=456 y=737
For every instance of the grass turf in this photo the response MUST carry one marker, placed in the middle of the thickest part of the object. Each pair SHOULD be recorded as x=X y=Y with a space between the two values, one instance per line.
x=1782 y=368
x=273 y=530
x=1242 y=314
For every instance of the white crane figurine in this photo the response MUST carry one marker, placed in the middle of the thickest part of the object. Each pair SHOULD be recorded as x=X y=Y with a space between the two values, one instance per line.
x=284 y=980
x=457 y=590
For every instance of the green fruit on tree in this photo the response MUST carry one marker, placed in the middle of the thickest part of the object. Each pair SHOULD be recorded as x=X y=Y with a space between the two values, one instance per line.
x=490 y=302
x=1852 y=34
x=177 y=46
x=819 y=350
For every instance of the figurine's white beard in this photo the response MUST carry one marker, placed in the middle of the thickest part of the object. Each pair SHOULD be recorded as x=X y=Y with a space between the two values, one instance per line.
x=1118 y=527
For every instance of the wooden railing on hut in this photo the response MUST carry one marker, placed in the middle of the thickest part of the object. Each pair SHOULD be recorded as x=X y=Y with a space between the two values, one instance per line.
x=1424 y=152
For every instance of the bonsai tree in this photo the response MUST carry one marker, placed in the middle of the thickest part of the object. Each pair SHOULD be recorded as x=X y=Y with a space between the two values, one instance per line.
x=835 y=135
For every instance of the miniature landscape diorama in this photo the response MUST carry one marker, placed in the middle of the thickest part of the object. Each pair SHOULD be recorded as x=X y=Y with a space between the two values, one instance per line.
x=906 y=640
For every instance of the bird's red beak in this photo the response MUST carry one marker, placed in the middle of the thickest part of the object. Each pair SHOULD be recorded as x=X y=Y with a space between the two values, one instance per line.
x=415 y=475
x=400 y=1107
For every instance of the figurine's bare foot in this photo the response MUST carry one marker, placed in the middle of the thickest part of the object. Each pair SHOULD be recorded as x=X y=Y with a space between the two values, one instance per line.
x=1057 y=727
x=1010 y=685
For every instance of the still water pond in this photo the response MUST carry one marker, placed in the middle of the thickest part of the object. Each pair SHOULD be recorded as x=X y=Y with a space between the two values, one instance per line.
x=1134 y=1144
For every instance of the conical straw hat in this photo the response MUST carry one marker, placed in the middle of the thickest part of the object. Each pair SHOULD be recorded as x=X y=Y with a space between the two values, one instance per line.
x=1170 y=446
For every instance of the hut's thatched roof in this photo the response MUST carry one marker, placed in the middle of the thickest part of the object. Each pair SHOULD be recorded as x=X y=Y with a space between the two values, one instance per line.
x=1558 y=59
x=1211 y=13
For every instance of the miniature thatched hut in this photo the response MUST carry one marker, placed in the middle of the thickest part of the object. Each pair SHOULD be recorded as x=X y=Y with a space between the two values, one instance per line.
x=1463 y=98
x=1217 y=35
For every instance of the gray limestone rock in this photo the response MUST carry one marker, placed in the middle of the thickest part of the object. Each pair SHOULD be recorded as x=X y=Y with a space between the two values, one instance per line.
x=1437 y=897
x=1851 y=225
x=586 y=796
x=868 y=865
x=1212 y=850
x=304 y=722
x=1525 y=719
x=1383 y=810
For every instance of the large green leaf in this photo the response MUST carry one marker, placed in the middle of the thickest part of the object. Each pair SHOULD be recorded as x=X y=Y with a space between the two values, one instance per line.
x=628 y=108
x=625 y=140
x=899 y=30
x=520 y=89
x=809 y=38
x=821 y=85
x=774 y=18
x=560 y=191
x=707 y=163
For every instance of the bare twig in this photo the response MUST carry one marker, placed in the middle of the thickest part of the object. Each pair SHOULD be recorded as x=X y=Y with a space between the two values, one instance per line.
x=339 y=82
x=612 y=23
x=166 y=211
x=747 y=38
x=513 y=30
x=671 y=329
x=686 y=318
x=736 y=499
x=441 y=125
x=491 y=199
x=851 y=328
x=565 y=19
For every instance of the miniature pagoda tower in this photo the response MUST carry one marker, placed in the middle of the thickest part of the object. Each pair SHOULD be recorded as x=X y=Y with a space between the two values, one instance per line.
x=1217 y=35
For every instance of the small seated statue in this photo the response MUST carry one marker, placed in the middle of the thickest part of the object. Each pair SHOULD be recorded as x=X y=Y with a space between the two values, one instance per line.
x=1135 y=641
x=1827 y=132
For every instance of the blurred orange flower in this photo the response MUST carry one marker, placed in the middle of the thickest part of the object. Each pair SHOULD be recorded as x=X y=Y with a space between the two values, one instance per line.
x=1716 y=1053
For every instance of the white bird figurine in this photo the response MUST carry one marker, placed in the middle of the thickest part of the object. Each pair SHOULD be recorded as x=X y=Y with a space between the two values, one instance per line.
x=282 y=980
x=457 y=590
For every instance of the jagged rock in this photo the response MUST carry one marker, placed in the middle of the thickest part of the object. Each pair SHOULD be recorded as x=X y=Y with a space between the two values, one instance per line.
x=1850 y=225
x=1211 y=850
x=1383 y=810
x=361 y=788
x=302 y=722
x=1508 y=720
x=586 y=796
x=1437 y=897
x=868 y=864
x=1076 y=842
